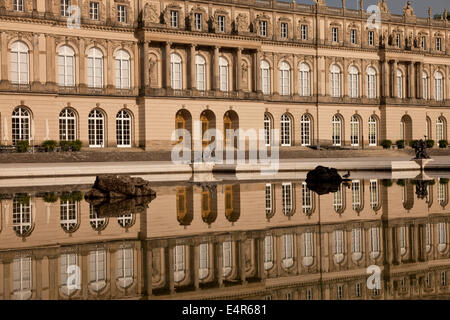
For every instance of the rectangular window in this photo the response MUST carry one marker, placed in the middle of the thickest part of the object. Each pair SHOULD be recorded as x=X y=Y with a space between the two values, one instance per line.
x=358 y=290
x=286 y=194
x=93 y=10
x=340 y=292
x=371 y=38
x=443 y=278
x=122 y=14
x=398 y=40
x=335 y=34
x=263 y=28
x=268 y=198
x=309 y=294
x=353 y=36
x=18 y=5
x=64 y=5
x=284 y=30
x=304 y=31
x=221 y=23
x=198 y=21
x=174 y=19
x=423 y=42
x=438 y=44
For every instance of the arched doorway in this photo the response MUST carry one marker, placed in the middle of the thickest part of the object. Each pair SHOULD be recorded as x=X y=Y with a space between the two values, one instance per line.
x=406 y=128
x=230 y=125
x=183 y=121
x=208 y=121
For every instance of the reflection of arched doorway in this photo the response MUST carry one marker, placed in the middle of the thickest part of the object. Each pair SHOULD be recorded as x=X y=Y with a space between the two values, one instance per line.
x=230 y=122
x=183 y=121
x=209 y=204
x=185 y=210
x=406 y=128
x=232 y=202
x=208 y=121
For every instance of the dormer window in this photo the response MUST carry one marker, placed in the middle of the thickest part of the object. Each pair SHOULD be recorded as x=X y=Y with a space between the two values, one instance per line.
x=174 y=19
x=438 y=44
x=18 y=5
x=304 y=32
x=371 y=38
x=353 y=36
x=221 y=23
x=93 y=10
x=284 y=30
x=64 y=6
x=198 y=21
x=335 y=34
x=263 y=28
x=423 y=42
x=122 y=14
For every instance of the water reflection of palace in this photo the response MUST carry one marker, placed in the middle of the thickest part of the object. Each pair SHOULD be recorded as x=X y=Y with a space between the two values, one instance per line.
x=243 y=241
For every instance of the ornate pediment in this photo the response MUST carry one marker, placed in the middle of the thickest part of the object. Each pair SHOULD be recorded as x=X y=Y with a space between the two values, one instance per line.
x=167 y=12
x=151 y=14
x=256 y=24
x=217 y=14
x=241 y=24
x=204 y=24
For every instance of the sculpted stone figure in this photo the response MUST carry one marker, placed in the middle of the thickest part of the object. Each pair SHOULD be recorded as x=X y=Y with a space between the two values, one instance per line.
x=241 y=23
x=408 y=10
x=320 y=2
x=150 y=13
x=430 y=12
x=383 y=6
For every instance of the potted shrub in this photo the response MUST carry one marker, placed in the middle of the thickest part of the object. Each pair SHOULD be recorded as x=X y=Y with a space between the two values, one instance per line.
x=430 y=143
x=22 y=146
x=401 y=182
x=413 y=143
x=386 y=182
x=76 y=145
x=50 y=197
x=443 y=144
x=49 y=145
x=386 y=144
x=400 y=144
x=65 y=145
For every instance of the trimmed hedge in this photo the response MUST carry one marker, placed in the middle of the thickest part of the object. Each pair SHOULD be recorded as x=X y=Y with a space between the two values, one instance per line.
x=50 y=197
x=400 y=144
x=49 y=145
x=22 y=146
x=70 y=145
x=443 y=144
x=386 y=144
x=430 y=143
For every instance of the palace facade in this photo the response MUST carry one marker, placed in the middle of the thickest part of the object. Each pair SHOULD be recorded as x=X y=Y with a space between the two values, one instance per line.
x=134 y=71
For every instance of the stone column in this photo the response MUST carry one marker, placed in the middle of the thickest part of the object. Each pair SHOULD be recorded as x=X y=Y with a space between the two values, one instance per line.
x=276 y=75
x=295 y=87
x=386 y=77
x=4 y=57
x=38 y=261
x=219 y=270
x=196 y=267
x=145 y=64
x=7 y=279
x=149 y=270
x=167 y=51
x=35 y=58
x=192 y=73
x=216 y=75
x=242 y=261
x=169 y=269
x=420 y=81
x=110 y=63
x=257 y=73
x=260 y=255
x=238 y=69
x=411 y=80
x=394 y=79
x=49 y=62
x=82 y=61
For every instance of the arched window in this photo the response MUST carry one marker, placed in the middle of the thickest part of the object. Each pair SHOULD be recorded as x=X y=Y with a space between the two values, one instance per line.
x=285 y=79
x=268 y=252
x=20 y=125
x=308 y=249
x=67 y=262
x=354 y=131
x=125 y=267
x=286 y=130
x=373 y=131
x=335 y=81
x=66 y=66
x=22 y=279
x=68 y=215
x=122 y=61
x=305 y=129
x=227 y=258
x=399 y=88
x=19 y=63
x=288 y=250
x=267 y=129
x=338 y=200
x=371 y=83
x=97 y=264
x=424 y=85
x=200 y=73
x=95 y=68
x=403 y=240
x=353 y=82
x=374 y=242
x=176 y=74
x=337 y=130
x=428 y=127
x=203 y=257
x=179 y=263
x=307 y=199
x=428 y=237
x=304 y=78
x=265 y=77
x=442 y=195
x=374 y=194
x=339 y=246
x=123 y=129
x=356 y=244
x=223 y=74
x=269 y=200
x=126 y=220
x=287 y=196
x=440 y=129
x=22 y=217
x=442 y=236
x=356 y=195
x=67 y=125
x=96 y=129
x=98 y=224
x=438 y=86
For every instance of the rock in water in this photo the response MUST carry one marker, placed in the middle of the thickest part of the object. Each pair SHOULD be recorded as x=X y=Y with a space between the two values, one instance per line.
x=114 y=186
x=323 y=180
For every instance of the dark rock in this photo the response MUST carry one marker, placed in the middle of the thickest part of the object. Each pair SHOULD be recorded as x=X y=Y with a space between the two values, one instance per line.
x=119 y=207
x=323 y=180
x=113 y=186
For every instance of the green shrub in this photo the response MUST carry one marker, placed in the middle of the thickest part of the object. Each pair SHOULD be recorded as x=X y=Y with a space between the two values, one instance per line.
x=386 y=144
x=400 y=144
x=50 y=197
x=443 y=180
x=401 y=182
x=413 y=143
x=430 y=143
x=76 y=145
x=443 y=144
x=386 y=182
x=65 y=145
x=49 y=145
x=22 y=198
x=22 y=146
x=72 y=196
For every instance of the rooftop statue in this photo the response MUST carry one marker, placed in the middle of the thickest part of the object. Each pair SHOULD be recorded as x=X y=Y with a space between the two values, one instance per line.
x=408 y=10
x=320 y=2
x=383 y=6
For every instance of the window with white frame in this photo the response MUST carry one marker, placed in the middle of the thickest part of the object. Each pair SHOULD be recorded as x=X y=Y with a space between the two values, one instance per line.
x=305 y=130
x=371 y=38
x=438 y=44
x=95 y=68
x=263 y=28
x=304 y=32
x=373 y=131
x=374 y=242
x=267 y=130
x=265 y=77
x=287 y=198
x=22 y=278
x=64 y=8
x=221 y=23
x=356 y=195
x=200 y=73
x=96 y=129
x=338 y=200
x=428 y=237
x=424 y=85
x=304 y=77
x=340 y=292
x=354 y=131
x=66 y=66
x=227 y=258
x=18 y=5
x=97 y=268
x=125 y=267
x=442 y=193
x=442 y=236
x=97 y=223
x=126 y=220
x=176 y=71
x=357 y=244
x=174 y=18
x=353 y=82
x=336 y=130
x=68 y=261
x=198 y=21
x=339 y=246
x=203 y=263
x=123 y=129
x=20 y=125
x=403 y=240
x=284 y=30
x=440 y=129
x=286 y=130
x=67 y=125
x=22 y=217
x=335 y=34
x=443 y=278
x=19 y=63
x=371 y=83
x=122 y=66
x=94 y=11
x=398 y=40
x=269 y=199
x=68 y=211
x=268 y=252
x=423 y=42
x=223 y=75
x=288 y=250
x=308 y=249
x=122 y=13
x=285 y=79
x=307 y=199
x=179 y=263
x=428 y=127
x=438 y=86
x=373 y=194
x=399 y=88
x=335 y=81
x=353 y=34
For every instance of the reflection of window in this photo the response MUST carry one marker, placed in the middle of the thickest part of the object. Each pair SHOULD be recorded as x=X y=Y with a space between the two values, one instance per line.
x=338 y=201
x=373 y=194
x=403 y=240
x=442 y=236
x=68 y=262
x=97 y=260
x=269 y=199
x=287 y=195
x=226 y=258
x=442 y=193
x=179 y=263
x=288 y=250
x=22 y=220
x=268 y=252
x=375 y=242
x=126 y=220
x=22 y=284
x=308 y=249
x=307 y=201
x=443 y=278
x=356 y=244
x=356 y=195
x=339 y=246
x=428 y=237
x=203 y=260
x=69 y=215
x=125 y=267
x=97 y=223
